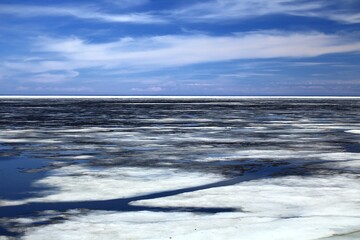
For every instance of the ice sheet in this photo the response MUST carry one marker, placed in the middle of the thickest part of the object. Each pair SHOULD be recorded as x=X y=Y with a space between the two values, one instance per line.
x=354 y=131
x=77 y=183
x=158 y=225
x=279 y=197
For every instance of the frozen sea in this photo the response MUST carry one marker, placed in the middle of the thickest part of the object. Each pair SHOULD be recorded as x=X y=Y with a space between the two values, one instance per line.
x=179 y=168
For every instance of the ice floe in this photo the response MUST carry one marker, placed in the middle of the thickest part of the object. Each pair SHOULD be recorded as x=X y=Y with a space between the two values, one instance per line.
x=177 y=225
x=78 y=183
x=293 y=207
x=357 y=131
x=282 y=197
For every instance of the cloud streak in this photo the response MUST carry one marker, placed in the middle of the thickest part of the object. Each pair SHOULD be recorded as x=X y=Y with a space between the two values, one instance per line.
x=127 y=3
x=233 y=9
x=205 y=11
x=179 y=50
x=54 y=77
x=216 y=10
x=80 y=12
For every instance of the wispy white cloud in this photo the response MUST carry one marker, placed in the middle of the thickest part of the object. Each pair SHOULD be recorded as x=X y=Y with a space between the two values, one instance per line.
x=340 y=16
x=127 y=3
x=234 y=9
x=179 y=50
x=81 y=12
x=311 y=64
x=246 y=75
x=214 y=10
x=63 y=89
x=55 y=89
x=53 y=77
x=205 y=11
x=148 y=89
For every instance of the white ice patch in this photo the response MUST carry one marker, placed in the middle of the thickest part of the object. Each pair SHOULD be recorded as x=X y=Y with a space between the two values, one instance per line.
x=290 y=196
x=31 y=140
x=337 y=156
x=188 y=226
x=171 y=120
x=354 y=131
x=79 y=183
x=85 y=130
x=295 y=207
x=283 y=155
x=312 y=125
x=13 y=140
x=77 y=157
x=16 y=131
x=258 y=153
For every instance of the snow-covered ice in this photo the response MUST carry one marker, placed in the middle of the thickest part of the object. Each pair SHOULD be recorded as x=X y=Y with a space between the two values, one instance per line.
x=79 y=183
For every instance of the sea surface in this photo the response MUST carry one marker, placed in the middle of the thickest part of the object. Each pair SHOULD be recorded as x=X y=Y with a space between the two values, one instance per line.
x=180 y=168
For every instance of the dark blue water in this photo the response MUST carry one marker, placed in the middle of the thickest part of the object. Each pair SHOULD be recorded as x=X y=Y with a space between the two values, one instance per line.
x=18 y=175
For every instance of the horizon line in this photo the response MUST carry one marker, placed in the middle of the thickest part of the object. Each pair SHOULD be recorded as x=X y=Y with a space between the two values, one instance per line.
x=173 y=96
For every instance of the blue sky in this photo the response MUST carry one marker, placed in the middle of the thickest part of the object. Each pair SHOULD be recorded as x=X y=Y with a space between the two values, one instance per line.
x=178 y=47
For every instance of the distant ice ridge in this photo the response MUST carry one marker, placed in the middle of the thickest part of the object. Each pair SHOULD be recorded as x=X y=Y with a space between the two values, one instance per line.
x=178 y=97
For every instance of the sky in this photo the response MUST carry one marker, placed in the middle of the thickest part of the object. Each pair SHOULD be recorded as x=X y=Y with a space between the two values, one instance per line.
x=178 y=47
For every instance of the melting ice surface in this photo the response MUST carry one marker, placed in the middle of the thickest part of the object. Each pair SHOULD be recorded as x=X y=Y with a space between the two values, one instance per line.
x=180 y=168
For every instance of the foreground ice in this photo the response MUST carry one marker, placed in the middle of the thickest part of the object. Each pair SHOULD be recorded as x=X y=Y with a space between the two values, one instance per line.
x=80 y=183
x=283 y=197
x=321 y=206
x=283 y=208
x=176 y=225
x=322 y=203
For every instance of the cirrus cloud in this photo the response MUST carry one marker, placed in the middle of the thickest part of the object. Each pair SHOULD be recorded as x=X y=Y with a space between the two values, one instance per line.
x=215 y=10
x=148 y=53
x=80 y=12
